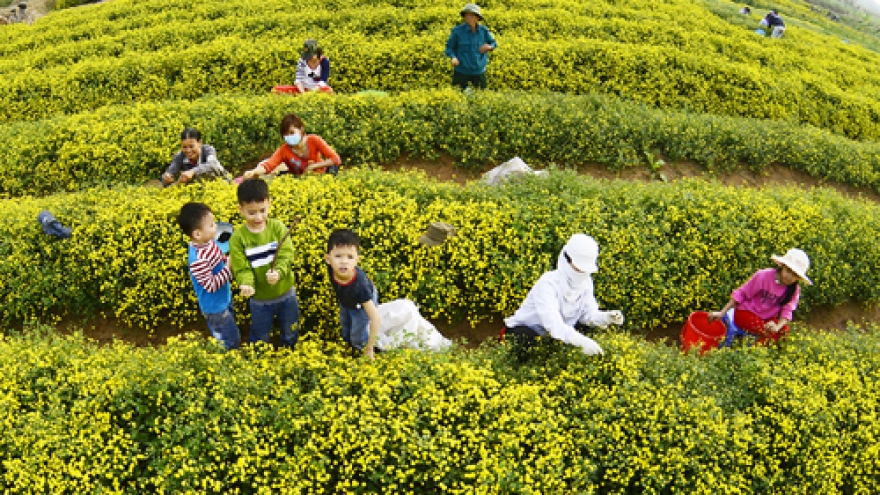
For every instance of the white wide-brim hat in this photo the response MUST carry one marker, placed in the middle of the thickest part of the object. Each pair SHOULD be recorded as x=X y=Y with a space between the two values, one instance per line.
x=583 y=251
x=797 y=261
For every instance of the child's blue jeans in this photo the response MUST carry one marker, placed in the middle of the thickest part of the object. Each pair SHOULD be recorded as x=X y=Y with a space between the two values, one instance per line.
x=356 y=324
x=223 y=328
x=263 y=315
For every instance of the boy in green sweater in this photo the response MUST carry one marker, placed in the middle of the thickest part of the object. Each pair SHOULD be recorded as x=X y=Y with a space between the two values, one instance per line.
x=251 y=251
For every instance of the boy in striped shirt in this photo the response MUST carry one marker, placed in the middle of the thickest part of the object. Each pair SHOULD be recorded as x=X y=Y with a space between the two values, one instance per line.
x=263 y=276
x=210 y=273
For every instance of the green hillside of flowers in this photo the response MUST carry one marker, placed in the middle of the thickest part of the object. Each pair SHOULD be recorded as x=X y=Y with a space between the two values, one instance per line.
x=681 y=54
x=92 y=105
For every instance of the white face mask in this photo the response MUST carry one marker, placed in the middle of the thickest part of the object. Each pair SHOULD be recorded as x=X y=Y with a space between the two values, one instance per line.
x=293 y=139
x=577 y=281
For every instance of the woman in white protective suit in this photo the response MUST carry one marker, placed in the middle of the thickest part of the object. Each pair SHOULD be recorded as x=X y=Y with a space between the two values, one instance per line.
x=563 y=298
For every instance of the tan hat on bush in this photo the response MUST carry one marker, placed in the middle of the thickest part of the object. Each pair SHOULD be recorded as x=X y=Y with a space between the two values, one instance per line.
x=437 y=233
x=797 y=261
x=472 y=8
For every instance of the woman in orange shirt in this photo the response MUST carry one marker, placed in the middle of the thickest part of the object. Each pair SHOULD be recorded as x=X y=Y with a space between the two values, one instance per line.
x=301 y=152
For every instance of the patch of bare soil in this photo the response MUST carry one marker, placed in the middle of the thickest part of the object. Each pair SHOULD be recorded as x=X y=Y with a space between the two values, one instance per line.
x=36 y=9
x=444 y=169
x=106 y=331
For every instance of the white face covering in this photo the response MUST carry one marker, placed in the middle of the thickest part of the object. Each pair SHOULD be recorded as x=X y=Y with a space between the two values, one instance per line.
x=577 y=281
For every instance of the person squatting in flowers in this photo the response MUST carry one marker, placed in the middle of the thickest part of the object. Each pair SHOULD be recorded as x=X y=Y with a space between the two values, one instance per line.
x=313 y=69
x=194 y=160
x=301 y=152
x=762 y=307
x=562 y=298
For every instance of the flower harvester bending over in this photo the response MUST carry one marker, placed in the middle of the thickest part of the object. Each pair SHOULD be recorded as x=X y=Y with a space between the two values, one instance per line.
x=762 y=307
x=562 y=298
x=194 y=161
x=301 y=152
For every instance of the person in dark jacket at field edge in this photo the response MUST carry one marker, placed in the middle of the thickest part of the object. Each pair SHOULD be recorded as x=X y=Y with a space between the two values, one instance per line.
x=467 y=47
x=773 y=21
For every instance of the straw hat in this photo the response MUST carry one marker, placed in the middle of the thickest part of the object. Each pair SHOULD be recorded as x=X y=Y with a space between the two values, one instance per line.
x=797 y=261
x=437 y=233
x=472 y=8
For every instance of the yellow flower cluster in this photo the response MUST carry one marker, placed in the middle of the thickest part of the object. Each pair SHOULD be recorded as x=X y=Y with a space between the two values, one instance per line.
x=667 y=249
x=190 y=418
x=134 y=143
x=167 y=49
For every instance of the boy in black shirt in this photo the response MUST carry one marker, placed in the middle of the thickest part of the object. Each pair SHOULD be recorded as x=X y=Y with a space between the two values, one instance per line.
x=355 y=292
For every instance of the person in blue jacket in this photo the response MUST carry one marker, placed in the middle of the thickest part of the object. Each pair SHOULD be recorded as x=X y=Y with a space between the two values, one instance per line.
x=468 y=46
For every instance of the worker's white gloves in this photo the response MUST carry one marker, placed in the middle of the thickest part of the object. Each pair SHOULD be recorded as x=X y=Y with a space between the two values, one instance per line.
x=606 y=318
x=602 y=319
x=590 y=347
x=615 y=317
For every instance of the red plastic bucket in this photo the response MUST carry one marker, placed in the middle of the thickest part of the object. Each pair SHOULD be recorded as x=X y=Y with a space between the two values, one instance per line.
x=293 y=90
x=289 y=90
x=698 y=331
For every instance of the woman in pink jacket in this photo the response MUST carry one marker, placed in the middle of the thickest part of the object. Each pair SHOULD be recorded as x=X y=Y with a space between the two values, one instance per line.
x=764 y=305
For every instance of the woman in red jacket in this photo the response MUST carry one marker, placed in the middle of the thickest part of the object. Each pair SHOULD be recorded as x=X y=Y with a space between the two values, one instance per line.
x=301 y=152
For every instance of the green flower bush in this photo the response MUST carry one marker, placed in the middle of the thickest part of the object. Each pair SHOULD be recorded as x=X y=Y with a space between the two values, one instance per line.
x=158 y=50
x=189 y=418
x=134 y=143
x=666 y=249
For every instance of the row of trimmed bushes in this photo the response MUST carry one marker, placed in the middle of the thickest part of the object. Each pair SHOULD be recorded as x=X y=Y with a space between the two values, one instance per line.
x=66 y=4
x=134 y=143
x=124 y=28
x=667 y=249
x=188 y=418
x=586 y=55
x=100 y=33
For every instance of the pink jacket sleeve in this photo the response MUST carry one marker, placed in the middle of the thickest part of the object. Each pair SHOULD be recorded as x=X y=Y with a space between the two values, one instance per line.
x=747 y=290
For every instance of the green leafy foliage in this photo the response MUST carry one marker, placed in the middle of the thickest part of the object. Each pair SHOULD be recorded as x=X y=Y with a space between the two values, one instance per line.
x=645 y=418
x=134 y=143
x=170 y=49
x=667 y=249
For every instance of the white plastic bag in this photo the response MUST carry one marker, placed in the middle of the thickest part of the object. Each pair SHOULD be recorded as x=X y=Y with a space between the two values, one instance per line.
x=403 y=327
x=513 y=167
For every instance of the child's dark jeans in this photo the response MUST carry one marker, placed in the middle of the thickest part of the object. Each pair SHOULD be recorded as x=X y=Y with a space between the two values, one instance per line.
x=263 y=314
x=356 y=324
x=223 y=328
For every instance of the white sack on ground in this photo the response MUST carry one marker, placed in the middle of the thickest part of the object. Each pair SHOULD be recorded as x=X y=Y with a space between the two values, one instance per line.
x=403 y=327
x=510 y=168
